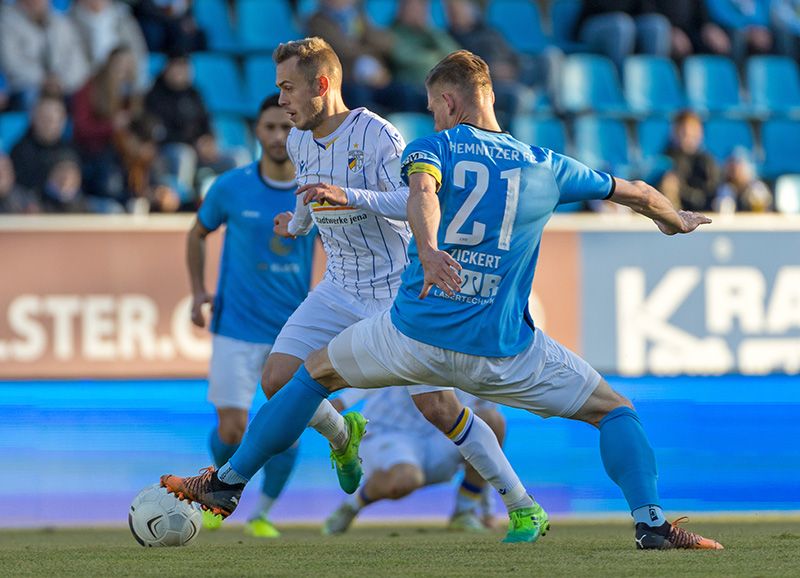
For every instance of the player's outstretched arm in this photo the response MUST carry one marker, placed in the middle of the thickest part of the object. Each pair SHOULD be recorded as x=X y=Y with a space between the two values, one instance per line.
x=649 y=202
x=195 y=261
x=424 y=216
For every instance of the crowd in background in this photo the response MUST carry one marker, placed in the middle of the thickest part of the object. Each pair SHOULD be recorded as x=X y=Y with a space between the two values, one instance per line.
x=105 y=137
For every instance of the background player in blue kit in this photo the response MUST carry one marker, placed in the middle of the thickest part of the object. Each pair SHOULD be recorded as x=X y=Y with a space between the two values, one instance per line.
x=262 y=280
x=479 y=200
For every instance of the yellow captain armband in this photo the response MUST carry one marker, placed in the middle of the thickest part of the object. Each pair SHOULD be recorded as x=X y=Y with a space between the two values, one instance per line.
x=427 y=168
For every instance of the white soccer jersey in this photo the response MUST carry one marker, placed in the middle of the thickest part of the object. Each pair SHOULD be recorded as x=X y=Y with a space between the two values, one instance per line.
x=366 y=241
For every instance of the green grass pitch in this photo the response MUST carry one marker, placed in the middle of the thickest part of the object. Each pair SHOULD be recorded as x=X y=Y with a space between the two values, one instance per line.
x=754 y=547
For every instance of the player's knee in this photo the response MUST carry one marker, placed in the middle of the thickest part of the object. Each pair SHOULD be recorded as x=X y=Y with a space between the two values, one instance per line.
x=602 y=402
x=440 y=409
x=321 y=369
x=276 y=374
x=404 y=482
x=496 y=422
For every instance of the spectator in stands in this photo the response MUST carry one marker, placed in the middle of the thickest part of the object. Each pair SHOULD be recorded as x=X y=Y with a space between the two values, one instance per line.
x=365 y=51
x=102 y=113
x=104 y=25
x=418 y=45
x=515 y=76
x=39 y=50
x=617 y=28
x=169 y=25
x=43 y=146
x=62 y=192
x=786 y=23
x=183 y=120
x=693 y=179
x=747 y=21
x=741 y=190
x=148 y=180
x=693 y=32
x=14 y=199
x=211 y=162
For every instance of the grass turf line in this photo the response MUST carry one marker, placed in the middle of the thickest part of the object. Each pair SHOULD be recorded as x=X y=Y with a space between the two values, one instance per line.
x=573 y=549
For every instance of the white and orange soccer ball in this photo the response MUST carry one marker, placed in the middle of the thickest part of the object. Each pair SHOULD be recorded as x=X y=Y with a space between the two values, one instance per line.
x=157 y=518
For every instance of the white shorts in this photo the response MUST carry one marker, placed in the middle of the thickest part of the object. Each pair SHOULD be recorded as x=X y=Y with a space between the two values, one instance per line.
x=436 y=456
x=546 y=378
x=235 y=371
x=325 y=313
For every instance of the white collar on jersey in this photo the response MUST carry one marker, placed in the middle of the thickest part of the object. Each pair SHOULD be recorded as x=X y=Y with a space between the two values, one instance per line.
x=326 y=140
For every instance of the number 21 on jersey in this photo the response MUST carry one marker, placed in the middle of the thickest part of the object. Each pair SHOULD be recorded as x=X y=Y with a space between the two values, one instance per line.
x=453 y=235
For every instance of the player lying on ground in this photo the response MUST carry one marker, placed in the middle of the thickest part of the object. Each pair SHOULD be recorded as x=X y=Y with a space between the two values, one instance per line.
x=262 y=280
x=403 y=452
x=479 y=196
x=360 y=212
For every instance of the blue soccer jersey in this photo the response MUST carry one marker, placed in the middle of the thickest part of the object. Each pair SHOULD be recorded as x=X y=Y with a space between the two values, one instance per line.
x=496 y=194
x=262 y=277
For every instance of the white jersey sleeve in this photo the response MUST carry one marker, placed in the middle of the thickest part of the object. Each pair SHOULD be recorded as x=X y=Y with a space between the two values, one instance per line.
x=392 y=198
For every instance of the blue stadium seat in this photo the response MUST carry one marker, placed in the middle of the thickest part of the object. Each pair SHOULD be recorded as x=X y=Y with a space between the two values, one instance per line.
x=520 y=23
x=13 y=125
x=780 y=140
x=155 y=64
x=602 y=143
x=438 y=14
x=652 y=85
x=263 y=24
x=723 y=135
x=381 y=12
x=214 y=19
x=259 y=79
x=231 y=131
x=654 y=134
x=589 y=82
x=712 y=85
x=564 y=15
x=217 y=79
x=412 y=125
x=547 y=132
x=59 y=5
x=306 y=8
x=774 y=85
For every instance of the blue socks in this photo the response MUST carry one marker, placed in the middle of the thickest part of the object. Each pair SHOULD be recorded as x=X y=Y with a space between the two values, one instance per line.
x=630 y=463
x=275 y=427
x=277 y=471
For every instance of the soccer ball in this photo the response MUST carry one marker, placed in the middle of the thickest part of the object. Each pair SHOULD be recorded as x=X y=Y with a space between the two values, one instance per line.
x=157 y=518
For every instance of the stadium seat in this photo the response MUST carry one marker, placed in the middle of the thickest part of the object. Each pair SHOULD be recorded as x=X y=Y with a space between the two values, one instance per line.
x=564 y=15
x=381 y=12
x=214 y=19
x=155 y=64
x=306 y=8
x=774 y=85
x=259 y=79
x=787 y=194
x=263 y=24
x=519 y=22
x=602 y=143
x=438 y=14
x=654 y=134
x=231 y=131
x=723 y=135
x=539 y=131
x=780 y=140
x=59 y=5
x=412 y=125
x=13 y=125
x=712 y=85
x=590 y=83
x=652 y=85
x=217 y=79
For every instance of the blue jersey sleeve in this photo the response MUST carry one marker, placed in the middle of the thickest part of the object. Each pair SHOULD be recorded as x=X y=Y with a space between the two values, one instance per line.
x=577 y=182
x=213 y=213
x=423 y=155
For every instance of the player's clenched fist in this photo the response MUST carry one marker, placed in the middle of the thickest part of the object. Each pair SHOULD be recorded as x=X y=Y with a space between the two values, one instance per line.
x=281 y=224
x=439 y=269
x=198 y=300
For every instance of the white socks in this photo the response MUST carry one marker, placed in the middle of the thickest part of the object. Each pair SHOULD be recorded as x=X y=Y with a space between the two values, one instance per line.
x=330 y=423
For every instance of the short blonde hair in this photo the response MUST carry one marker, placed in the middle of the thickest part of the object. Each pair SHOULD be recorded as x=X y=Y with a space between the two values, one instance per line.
x=463 y=70
x=315 y=57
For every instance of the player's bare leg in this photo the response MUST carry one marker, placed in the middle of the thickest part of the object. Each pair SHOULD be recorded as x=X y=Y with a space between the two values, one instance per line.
x=337 y=429
x=393 y=484
x=630 y=463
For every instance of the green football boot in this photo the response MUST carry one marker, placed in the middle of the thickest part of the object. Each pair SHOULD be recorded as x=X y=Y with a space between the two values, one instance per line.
x=347 y=462
x=261 y=527
x=211 y=521
x=527 y=524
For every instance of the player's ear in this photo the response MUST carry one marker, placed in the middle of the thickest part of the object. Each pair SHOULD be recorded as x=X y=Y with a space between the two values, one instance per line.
x=323 y=85
x=450 y=101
